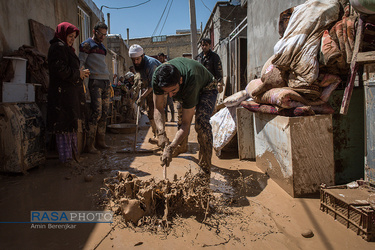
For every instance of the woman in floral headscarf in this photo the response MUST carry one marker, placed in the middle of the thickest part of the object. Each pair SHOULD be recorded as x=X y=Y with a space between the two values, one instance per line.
x=66 y=97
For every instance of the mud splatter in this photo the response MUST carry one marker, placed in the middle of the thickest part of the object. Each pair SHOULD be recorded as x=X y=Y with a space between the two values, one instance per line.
x=153 y=202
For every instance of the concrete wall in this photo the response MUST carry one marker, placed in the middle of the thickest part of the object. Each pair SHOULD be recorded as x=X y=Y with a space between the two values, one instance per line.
x=174 y=46
x=118 y=45
x=15 y=15
x=262 y=31
x=233 y=15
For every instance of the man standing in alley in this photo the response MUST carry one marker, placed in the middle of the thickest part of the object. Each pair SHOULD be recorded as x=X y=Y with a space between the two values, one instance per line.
x=190 y=83
x=145 y=65
x=92 y=55
x=211 y=61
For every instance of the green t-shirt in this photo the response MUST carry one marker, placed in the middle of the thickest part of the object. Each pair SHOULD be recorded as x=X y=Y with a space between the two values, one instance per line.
x=194 y=78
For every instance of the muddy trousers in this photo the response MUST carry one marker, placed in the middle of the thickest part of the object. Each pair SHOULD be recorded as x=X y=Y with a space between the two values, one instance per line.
x=203 y=113
x=99 y=93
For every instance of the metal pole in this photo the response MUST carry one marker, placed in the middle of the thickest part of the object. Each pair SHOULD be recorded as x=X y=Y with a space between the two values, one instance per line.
x=127 y=35
x=109 y=23
x=193 y=29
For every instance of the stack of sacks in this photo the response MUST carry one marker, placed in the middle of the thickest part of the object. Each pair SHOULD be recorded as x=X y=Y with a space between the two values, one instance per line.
x=272 y=94
x=308 y=61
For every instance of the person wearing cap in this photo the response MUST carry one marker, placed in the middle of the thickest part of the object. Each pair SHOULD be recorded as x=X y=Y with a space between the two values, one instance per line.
x=92 y=55
x=145 y=66
x=190 y=83
x=211 y=61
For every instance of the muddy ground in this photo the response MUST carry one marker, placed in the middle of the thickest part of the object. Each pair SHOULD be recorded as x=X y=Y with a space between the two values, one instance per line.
x=254 y=213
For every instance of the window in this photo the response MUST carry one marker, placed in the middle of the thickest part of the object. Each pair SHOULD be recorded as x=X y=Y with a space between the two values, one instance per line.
x=156 y=39
x=83 y=25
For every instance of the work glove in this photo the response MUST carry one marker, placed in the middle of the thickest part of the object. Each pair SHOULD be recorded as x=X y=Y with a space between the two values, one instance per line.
x=162 y=140
x=166 y=157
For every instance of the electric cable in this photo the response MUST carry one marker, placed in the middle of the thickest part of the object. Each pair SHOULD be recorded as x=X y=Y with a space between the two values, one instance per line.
x=157 y=26
x=166 y=17
x=119 y=8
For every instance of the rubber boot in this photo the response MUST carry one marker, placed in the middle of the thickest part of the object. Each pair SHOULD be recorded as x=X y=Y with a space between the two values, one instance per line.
x=90 y=140
x=182 y=148
x=100 y=135
x=153 y=140
x=90 y=148
x=100 y=141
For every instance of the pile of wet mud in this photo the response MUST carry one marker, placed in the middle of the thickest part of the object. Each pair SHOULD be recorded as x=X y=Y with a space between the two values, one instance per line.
x=156 y=202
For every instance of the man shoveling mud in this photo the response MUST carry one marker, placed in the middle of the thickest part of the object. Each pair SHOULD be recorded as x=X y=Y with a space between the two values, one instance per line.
x=194 y=86
x=145 y=65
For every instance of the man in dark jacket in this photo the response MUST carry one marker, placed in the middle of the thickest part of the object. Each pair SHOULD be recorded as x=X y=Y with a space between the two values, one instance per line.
x=211 y=61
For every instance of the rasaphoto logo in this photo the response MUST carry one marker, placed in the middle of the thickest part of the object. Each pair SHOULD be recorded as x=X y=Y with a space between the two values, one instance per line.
x=71 y=217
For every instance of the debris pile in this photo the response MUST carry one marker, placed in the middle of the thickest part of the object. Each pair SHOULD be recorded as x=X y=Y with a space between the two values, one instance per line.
x=144 y=202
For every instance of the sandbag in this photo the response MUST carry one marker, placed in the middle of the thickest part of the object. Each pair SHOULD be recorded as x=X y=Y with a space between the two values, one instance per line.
x=281 y=97
x=236 y=98
x=273 y=78
x=298 y=111
x=253 y=85
x=266 y=67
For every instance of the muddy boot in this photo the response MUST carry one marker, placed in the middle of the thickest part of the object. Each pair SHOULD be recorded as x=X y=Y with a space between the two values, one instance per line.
x=204 y=163
x=100 y=141
x=90 y=140
x=76 y=157
x=90 y=148
x=182 y=148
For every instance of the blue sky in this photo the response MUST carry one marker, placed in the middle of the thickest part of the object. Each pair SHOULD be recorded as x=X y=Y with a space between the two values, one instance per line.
x=143 y=20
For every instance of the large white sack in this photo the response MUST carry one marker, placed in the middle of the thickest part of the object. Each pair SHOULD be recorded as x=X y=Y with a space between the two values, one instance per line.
x=223 y=127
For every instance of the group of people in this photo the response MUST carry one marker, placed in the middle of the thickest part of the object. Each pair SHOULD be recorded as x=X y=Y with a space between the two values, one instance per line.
x=192 y=83
x=125 y=90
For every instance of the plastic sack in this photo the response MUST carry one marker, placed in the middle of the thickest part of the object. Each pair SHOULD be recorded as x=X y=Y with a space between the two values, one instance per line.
x=224 y=127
